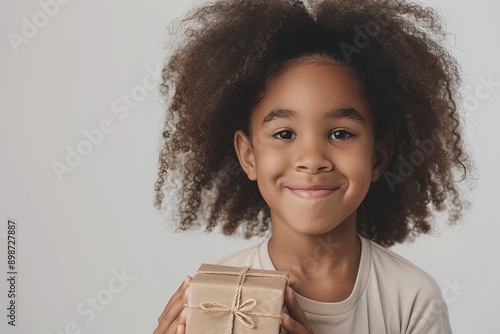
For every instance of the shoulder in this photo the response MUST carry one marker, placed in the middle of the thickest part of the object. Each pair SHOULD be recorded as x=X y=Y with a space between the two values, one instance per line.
x=246 y=257
x=400 y=271
x=416 y=294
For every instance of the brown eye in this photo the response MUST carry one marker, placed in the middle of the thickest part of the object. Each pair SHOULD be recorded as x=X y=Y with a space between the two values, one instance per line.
x=284 y=134
x=341 y=135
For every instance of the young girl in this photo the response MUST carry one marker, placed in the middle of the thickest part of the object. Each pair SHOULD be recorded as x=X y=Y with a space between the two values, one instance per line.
x=333 y=124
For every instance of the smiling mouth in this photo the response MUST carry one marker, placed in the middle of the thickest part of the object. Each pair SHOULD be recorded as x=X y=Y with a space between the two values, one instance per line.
x=312 y=193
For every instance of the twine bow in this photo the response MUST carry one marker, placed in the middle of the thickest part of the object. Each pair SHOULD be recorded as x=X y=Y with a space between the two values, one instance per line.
x=241 y=313
x=238 y=310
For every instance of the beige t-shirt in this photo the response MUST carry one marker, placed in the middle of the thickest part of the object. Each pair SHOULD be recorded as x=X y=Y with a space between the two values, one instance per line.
x=391 y=295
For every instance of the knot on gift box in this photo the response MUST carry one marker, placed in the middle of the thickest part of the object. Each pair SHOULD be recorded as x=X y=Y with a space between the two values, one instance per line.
x=238 y=310
x=241 y=313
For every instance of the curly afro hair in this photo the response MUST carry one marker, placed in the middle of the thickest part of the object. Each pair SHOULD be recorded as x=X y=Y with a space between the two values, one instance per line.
x=233 y=48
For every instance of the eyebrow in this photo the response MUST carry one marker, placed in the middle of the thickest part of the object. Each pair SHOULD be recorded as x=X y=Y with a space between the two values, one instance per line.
x=279 y=113
x=350 y=113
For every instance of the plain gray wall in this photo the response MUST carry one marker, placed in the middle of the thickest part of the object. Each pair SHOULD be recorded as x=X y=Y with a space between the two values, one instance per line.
x=93 y=236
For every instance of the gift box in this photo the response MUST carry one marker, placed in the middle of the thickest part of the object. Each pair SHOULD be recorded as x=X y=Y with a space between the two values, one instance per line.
x=237 y=300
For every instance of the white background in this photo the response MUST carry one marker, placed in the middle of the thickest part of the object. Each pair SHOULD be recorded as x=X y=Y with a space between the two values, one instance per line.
x=76 y=234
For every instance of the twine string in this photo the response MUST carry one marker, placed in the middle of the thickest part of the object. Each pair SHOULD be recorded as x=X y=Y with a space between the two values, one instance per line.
x=240 y=311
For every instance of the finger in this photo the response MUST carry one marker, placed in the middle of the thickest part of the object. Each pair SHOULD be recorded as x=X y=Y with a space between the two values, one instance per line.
x=176 y=309
x=174 y=317
x=180 y=323
x=167 y=328
x=180 y=291
x=182 y=317
x=176 y=326
x=176 y=295
x=291 y=326
x=294 y=309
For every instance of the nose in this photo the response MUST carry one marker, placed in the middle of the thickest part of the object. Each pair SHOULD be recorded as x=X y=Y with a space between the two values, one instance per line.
x=312 y=158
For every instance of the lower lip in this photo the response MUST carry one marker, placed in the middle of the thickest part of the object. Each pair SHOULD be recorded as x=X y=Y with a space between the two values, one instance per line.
x=311 y=194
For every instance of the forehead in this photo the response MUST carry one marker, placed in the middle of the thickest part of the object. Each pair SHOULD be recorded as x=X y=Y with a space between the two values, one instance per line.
x=316 y=72
x=313 y=84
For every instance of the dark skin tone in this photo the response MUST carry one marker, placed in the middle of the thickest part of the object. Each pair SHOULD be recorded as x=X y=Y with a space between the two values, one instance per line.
x=308 y=278
x=321 y=134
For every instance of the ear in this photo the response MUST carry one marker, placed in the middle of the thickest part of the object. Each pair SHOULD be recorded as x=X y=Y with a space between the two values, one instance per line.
x=246 y=156
x=381 y=157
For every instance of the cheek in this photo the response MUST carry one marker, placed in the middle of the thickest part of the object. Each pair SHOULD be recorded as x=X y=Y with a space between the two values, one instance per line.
x=270 y=167
x=271 y=163
x=356 y=164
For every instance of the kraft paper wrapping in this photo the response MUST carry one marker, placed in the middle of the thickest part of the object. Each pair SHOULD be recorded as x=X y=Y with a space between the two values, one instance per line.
x=236 y=300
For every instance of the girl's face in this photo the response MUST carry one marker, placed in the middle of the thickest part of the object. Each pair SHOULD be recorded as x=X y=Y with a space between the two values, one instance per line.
x=313 y=151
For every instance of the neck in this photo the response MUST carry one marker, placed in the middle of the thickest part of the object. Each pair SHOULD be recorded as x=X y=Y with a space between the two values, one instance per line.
x=313 y=257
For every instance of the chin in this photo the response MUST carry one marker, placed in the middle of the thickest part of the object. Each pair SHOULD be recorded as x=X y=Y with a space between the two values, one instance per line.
x=313 y=230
